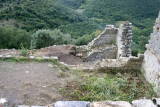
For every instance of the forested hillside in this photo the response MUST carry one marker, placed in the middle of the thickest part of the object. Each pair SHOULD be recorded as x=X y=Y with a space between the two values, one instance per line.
x=81 y=19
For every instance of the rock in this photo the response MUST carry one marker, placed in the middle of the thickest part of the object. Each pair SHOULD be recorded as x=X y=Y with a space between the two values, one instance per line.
x=8 y=56
x=54 y=57
x=3 y=101
x=143 y=103
x=110 y=104
x=31 y=57
x=71 y=104
x=23 y=106
x=38 y=106
x=46 y=57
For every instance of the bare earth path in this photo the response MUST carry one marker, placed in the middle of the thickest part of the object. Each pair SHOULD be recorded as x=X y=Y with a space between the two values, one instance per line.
x=31 y=83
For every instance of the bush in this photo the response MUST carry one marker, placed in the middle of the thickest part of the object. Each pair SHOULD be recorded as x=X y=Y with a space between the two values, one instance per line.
x=24 y=51
x=44 y=38
x=11 y=37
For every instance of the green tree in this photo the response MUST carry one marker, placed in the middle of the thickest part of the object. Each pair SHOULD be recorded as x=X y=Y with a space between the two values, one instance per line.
x=44 y=38
x=11 y=37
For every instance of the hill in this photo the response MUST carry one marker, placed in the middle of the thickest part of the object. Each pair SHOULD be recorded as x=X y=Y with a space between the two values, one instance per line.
x=81 y=18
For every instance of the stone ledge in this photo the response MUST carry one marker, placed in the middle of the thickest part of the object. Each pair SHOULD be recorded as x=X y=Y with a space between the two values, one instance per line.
x=155 y=102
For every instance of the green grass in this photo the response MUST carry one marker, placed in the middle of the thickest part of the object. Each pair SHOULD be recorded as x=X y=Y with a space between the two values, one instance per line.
x=108 y=86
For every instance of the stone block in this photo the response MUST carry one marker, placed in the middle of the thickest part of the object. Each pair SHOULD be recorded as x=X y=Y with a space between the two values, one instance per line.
x=23 y=106
x=39 y=106
x=71 y=104
x=110 y=104
x=143 y=103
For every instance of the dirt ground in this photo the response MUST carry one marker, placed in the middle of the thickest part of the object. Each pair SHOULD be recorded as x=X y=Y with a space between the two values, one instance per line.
x=32 y=83
x=62 y=52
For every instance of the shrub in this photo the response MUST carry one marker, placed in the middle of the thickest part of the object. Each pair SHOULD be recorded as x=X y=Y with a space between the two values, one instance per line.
x=11 y=37
x=24 y=51
x=44 y=38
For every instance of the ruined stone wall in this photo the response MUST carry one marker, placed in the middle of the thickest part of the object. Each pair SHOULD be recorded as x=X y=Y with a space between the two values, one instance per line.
x=124 y=40
x=121 y=64
x=107 y=37
x=104 y=46
x=151 y=64
x=112 y=43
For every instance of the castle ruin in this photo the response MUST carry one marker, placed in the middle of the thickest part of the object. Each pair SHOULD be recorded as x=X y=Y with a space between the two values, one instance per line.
x=110 y=50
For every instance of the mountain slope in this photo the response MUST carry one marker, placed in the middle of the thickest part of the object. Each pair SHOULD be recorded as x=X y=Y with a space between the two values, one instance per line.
x=39 y=14
x=81 y=17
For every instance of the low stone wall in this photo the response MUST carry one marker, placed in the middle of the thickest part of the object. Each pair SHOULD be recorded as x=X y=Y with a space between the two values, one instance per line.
x=121 y=64
x=155 y=102
x=136 y=103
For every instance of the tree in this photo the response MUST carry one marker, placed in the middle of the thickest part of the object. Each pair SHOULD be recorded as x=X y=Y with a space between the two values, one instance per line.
x=44 y=38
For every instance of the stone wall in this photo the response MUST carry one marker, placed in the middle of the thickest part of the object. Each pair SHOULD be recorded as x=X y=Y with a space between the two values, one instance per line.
x=107 y=37
x=112 y=43
x=155 y=102
x=124 y=40
x=121 y=64
x=104 y=46
x=151 y=64
x=108 y=52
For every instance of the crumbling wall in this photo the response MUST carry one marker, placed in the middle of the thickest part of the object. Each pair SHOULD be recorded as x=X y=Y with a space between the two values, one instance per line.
x=124 y=40
x=108 y=52
x=107 y=37
x=121 y=64
x=112 y=43
x=104 y=46
x=151 y=64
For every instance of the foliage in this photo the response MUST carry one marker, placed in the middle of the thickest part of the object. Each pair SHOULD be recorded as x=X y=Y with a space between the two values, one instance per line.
x=81 y=17
x=24 y=51
x=11 y=37
x=44 y=38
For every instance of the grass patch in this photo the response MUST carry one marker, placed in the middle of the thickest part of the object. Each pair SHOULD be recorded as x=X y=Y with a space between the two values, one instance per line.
x=107 y=86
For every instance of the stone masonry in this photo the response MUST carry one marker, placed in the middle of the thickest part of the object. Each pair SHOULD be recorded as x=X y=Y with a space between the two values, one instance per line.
x=112 y=43
x=151 y=64
x=104 y=46
x=155 y=102
x=124 y=40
